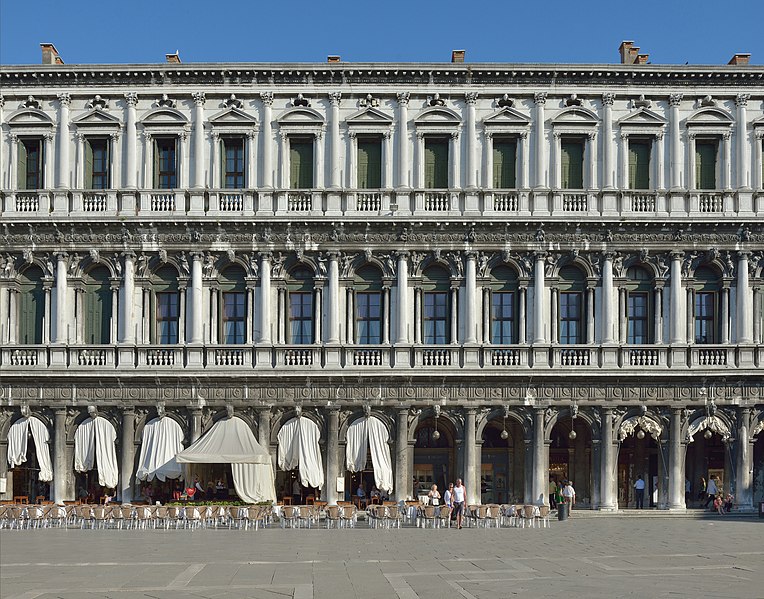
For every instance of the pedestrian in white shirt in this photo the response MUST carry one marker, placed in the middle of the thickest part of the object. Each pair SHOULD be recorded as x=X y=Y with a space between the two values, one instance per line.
x=569 y=494
x=460 y=498
x=711 y=490
x=639 y=488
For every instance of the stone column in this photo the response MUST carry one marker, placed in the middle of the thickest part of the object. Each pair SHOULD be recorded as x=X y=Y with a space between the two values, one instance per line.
x=417 y=315
x=318 y=311
x=62 y=178
x=60 y=463
x=332 y=455
x=743 y=159
x=404 y=168
x=401 y=454
x=541 y=163
x=608 y=323
x=488 y=159
x=471 y=473
x=199 y=100
x=264 y=428
x=676 y=463
x=196 y=424
x=727 y=160
x=403 y=292
x=61 y=291
x=744 y=300
x=264 y=314
x=267 y=176
x=333 y=334
x=334 y=141
x=608 y=161
x=472 y=163
x=521 y=319
x=758 y=176
x=724 y=316
x=487 y=315
x=128 y=455
x=691 y=183
x=319 y=163
x=675 y=309
x=540 y=465
x=470 y=282
x=454 y=315
x=756 y=314
x=744 y=466
x=590 y=315
x=676 y=165
x=387 y=161
x=131 y=142
x=196 y=304
x=455 y=176
x=539 y=290
x=385 y=315
x=658 y=316
x=660 y=161
x=607 y=470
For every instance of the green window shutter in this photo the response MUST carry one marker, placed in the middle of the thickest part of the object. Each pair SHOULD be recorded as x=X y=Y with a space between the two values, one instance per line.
x=639 y=165
x=435 y=164
x=504 y=161
x=88 y=165
x=369 y=164
x=32 y=313
x=572 y=161
x=301 y=164
x=705 y=165
x=21 y=172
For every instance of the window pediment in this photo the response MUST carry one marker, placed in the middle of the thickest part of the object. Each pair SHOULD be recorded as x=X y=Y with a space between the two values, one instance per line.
x=32 y=119
x=233 y=117
x=506 y=119
x=575 y=120
x=164 y=117
x=710 y=117
x=300 y=116
x=642 y=118
x=439 y=117
x=369 y=117
x=97 y=118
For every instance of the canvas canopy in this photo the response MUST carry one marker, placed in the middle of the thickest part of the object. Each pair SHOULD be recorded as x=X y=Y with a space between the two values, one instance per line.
x=18 y=435
x=94 y=444
x=230 y=441
x=298 y=448
x=162 y=441
x=372 y=433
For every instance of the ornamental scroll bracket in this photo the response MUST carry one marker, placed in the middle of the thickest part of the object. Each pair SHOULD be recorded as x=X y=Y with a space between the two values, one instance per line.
x=630 y=425
x=712 y=423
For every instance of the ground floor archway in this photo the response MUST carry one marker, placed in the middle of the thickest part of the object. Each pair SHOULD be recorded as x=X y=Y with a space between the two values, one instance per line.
x=758 y=470
x=434 y=456
x=502 y=468
x=639 y=455
x=707 y=455
x=571 y=458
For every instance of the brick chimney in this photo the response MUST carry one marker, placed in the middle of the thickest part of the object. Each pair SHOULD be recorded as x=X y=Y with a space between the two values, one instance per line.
x=50 y=54
x=457 y=55
x=332 y=58
x=740 y=59
x=630 y=54
x=173 y=58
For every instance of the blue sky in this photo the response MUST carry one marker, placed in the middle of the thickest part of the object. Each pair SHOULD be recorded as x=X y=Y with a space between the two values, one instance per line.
x=136 y=31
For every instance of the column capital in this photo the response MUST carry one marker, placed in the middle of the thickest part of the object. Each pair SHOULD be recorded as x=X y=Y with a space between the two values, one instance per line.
x=539 y=255
x=128 y=255
x=744 y=255
x=539 y=98
x=676 y=255
x=402 y=254
x=131 y=99
x=266 y=255
x=128 y=411
x=403 y=98
x=64 y=99
x=608 y=98
x=196 y=256
x=335 y=98
x=471 y=98
x=675 y=99
x=60 y=411
x=607 y=411
x=266 y=98
x=199 y=98
x=333 y=255
x=61 y=256
x=609 y=255
x=742 y=99
x=471 y=255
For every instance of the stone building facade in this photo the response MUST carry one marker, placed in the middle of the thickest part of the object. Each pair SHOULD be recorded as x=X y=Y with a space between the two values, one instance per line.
x=524 y=271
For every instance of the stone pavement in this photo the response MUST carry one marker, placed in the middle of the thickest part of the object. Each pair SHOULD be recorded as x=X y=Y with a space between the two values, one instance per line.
x=583 y=557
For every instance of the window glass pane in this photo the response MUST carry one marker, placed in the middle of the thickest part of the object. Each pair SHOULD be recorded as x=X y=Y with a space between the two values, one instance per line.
x=572 y=162
x=637 y=308
x=435 y=318
x=166 y=165
x=435 y=163
x=233 y=163
x=504 y=161
x=167 y=318
x=301 y=163
x=705 y=164
x=705 y=325
x=301 y=317
x=368 y=318
x=639 y=164
x=234 y=317
x=369 y=163
x=502 y=315
x=32 y=164
x=570 y=318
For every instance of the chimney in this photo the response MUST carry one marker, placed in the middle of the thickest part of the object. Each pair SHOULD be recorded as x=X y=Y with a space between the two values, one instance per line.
x=50 y=54
x=332 y=58
x=625 y=51
x=173 y=58
x=457 y=55
x=641 y=59
x=740 y=59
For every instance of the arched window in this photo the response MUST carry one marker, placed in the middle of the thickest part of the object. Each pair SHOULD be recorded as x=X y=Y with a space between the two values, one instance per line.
x=503 y=305
x=233 y=305
x=167 y=305
x=31 y=306
x=368 y=305
x=706 y=288
x=572 y=284
x=639 y=288
x=300 y=289
x=97 y=306
x=435 y=284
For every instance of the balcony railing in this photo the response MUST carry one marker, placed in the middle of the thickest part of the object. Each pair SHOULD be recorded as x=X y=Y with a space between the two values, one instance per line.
x=28 y=202
x=711 y=202
x=575 y=202
x=301 y=201
x=93 y=201
x=368 y=202
x=437 y=201
x=642 y=202
x=636 y=358
x=505 y=202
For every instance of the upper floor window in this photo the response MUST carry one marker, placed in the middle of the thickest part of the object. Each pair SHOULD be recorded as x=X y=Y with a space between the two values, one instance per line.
x=504 y=163
x=167 y=306
x=301 y=306
x=368 y=317
x=639 y=291
x=301 y=162
x=31 y=306
x=706 y=151
x=572 y=163
x=436 y=163
x=233 y=162
x=436 y=285
x=30 y=171
x=97 y=163
x=706 y=285
x=369 y=162
x=503 y=299
x=639 y=163
x=571 y=304
x=233 y=309
x=97 y=306
x=165 y=163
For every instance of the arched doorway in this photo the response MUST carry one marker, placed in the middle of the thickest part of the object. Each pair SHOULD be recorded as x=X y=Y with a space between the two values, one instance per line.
x=31 y=470
x=434 y=455
x=640 y=454
x=758 y=467
x=708 y=454
x=367 y=459
x=571 y=457
x=502 y=468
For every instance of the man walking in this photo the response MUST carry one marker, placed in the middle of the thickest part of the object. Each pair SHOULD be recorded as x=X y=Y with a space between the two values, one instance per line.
x=639 y=488
x=459 y=498
x=711 y=490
